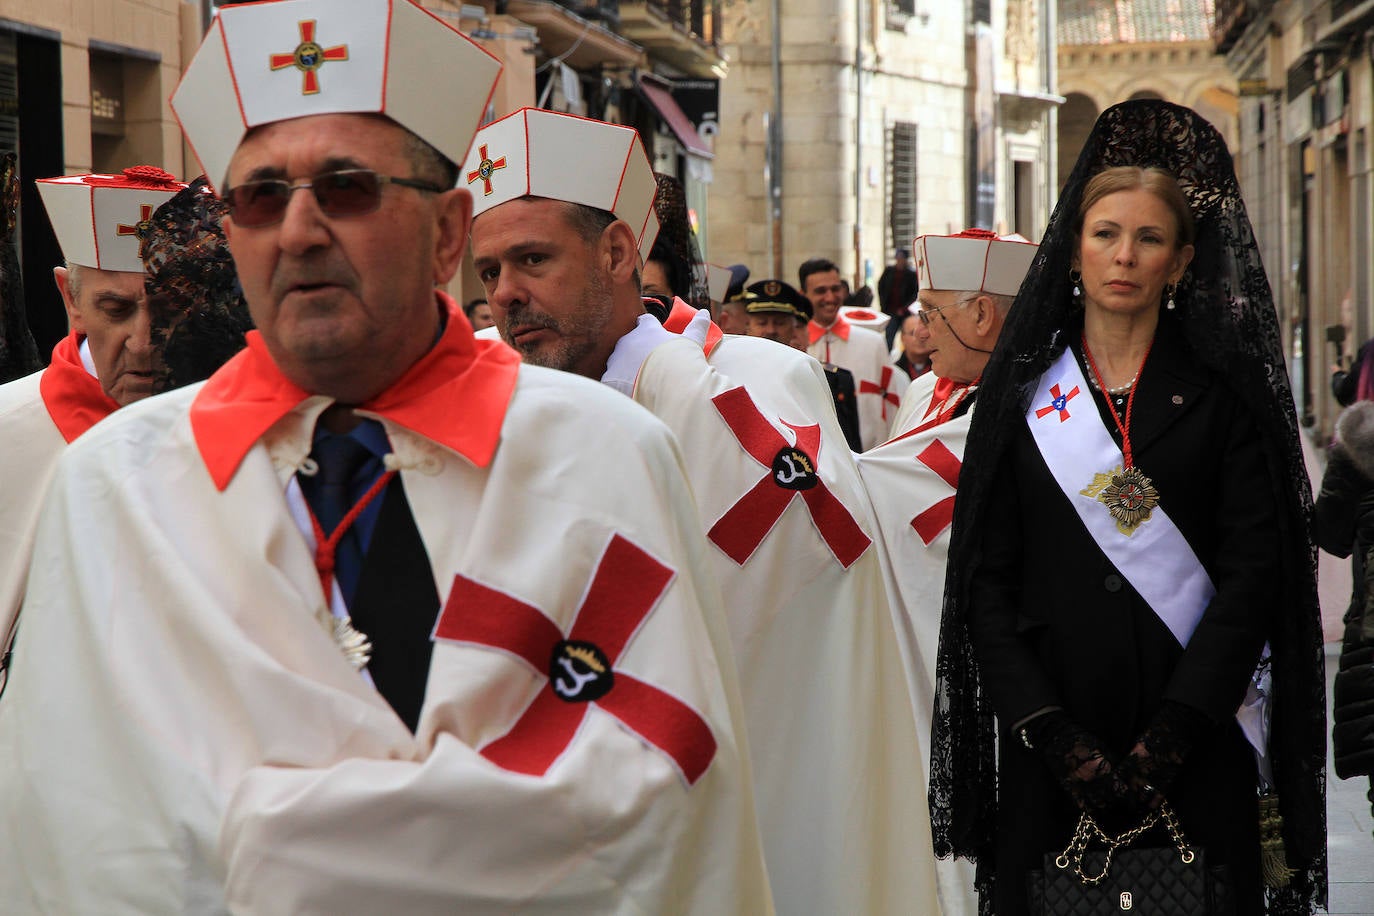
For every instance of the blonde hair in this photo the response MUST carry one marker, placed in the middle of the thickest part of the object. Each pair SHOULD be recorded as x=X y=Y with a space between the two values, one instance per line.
x=1157 y=181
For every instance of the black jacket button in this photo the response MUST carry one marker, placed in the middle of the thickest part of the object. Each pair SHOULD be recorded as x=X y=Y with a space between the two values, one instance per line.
x=1112 y=583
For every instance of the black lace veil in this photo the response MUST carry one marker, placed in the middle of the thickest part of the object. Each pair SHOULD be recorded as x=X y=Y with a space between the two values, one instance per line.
x=199 y=317
x=18 y=352
x=1226 y=311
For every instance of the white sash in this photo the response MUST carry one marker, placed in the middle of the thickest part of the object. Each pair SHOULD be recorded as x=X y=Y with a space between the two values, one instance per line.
x=1154 y=557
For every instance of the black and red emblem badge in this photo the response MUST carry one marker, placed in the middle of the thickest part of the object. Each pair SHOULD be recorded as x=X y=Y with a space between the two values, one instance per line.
x=792 y=472
x=580 y=665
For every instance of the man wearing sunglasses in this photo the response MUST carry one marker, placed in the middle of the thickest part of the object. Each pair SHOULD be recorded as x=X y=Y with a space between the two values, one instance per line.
x=376 y=619
x=556 y=243
x=967 y=285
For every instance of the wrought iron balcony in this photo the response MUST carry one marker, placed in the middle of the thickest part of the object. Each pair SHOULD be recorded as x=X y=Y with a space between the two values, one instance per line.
x=699 y=19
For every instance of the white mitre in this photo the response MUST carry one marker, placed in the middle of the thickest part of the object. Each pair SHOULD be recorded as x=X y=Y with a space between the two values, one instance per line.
x=975 y=260
x=100 y=220
x=283 y=59
x=564 y=157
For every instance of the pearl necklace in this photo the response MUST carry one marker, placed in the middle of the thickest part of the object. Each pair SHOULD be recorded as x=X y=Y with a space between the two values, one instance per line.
x=1119 y=389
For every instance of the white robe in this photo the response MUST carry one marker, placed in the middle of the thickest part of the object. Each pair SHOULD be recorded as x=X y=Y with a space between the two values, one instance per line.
x=864 y=353
x=193 y=740
x=904 y=486
x=32 y=441
x=842 y=804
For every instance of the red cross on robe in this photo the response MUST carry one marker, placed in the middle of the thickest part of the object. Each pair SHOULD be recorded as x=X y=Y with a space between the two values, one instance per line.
x=308 y=66
x=624 y=590
x=931 y=522
x=744 y=526
x=485 y=167
x=145 y=213
x=880 y=387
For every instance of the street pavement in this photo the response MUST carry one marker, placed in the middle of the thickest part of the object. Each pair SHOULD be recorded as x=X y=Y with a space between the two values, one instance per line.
x=1350 y=827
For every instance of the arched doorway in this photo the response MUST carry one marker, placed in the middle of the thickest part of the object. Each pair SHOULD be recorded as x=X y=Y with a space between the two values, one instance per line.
x=1076 y=118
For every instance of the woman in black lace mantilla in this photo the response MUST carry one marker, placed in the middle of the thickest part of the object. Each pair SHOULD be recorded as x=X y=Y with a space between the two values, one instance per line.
x=1085 y=685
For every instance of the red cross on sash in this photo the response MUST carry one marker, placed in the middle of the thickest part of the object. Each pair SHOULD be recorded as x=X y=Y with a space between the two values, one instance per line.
x=308 y=57
x=930 y=523
x=791 y=471
x=624 y=590
x=145 y=215
x=485 y=168
x=1059 y=402
x=880 y=387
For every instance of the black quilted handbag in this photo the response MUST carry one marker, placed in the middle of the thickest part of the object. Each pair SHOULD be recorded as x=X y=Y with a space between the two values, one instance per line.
x=1151 y=881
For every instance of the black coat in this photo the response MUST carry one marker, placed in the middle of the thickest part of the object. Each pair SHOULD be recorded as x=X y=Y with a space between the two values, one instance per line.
x=1055 y=624
x=1343 y=524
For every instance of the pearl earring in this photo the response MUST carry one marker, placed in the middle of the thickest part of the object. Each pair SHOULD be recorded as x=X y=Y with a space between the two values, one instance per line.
x=1075 y=278
x=1170 y=290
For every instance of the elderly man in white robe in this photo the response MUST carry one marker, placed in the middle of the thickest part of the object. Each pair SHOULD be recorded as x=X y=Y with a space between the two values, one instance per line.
x=106 y=361
x=967 y=283
x=509 y=689
x=563 y=209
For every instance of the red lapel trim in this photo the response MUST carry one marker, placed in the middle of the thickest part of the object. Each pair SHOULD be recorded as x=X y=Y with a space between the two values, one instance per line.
x=840 y=329
x=681 y=316
x=73 y=396
x=456 y=395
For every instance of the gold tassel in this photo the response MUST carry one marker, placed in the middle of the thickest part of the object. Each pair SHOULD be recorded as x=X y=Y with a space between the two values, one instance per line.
x=1273 y=859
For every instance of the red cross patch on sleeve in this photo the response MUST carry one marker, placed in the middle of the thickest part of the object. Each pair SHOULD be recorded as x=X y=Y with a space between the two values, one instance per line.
x=581 y=664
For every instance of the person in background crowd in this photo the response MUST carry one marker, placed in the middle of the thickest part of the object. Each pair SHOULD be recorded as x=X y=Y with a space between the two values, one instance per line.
x=1131 y=580
x=1343 y=524
x=478 y=313
x=896 y=291
x=376 y=619
x=834 y=341
x=106 y=362
x=778 y=496
x=915 y=357
x=18 y=352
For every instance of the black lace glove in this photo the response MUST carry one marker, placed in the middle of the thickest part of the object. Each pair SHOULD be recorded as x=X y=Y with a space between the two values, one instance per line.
x=1083 y=769
x=1154 y=763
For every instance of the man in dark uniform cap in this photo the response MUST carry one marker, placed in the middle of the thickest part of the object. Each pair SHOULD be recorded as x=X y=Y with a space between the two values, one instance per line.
x=775 y=311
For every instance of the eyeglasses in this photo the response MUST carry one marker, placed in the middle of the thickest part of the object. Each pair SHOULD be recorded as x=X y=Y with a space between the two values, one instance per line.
x=924 y=313
x=347 y=192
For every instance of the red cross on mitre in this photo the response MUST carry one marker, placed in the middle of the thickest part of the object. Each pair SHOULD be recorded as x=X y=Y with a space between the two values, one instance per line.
x=145 y=217
x=880 y=387
x=930 y=523
x=1058 y=402
x=485 y=169
x=580 y=664
x=309 y=57
x=791 y=471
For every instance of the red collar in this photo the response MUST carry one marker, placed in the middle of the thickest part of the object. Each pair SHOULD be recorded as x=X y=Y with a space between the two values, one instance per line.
x=683 y=313
x=73 y=396
x=456 y=395
x=840 y=329
x=944 y=400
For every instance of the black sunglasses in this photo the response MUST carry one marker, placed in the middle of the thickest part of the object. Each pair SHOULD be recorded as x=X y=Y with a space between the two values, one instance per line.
x=347 y=192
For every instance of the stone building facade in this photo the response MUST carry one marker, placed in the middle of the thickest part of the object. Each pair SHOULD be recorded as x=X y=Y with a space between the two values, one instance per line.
x=1306 y=122
x=863 y=159
x=1114 y=50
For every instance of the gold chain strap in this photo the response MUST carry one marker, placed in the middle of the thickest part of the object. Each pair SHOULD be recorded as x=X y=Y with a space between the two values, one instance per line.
x=1087 y=831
